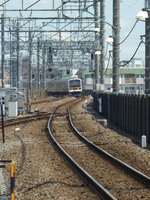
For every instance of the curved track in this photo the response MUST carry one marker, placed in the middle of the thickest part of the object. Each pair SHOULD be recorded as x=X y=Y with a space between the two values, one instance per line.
x=100 y=169
x=67 y=140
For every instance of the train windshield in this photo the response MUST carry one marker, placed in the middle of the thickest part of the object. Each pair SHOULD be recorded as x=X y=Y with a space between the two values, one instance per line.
x=74 y=83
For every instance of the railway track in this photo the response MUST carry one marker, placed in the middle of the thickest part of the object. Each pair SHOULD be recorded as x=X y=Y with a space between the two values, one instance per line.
x=37 y=115
x=94 y=167
x=40 y=172
x=80 y=156
x=25 y=119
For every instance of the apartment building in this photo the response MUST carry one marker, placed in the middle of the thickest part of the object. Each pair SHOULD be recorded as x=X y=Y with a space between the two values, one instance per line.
x=131 y=79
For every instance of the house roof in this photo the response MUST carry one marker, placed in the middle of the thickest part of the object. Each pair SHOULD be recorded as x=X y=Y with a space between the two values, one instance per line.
x=136 y=71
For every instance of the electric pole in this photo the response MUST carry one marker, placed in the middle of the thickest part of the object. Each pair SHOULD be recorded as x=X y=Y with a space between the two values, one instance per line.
x=116 y=46
x=18 y=58
x=30 y=65
x=102 y=40
x=38 y=63
x=147 y=48
x=97 y=45
x=2 y=48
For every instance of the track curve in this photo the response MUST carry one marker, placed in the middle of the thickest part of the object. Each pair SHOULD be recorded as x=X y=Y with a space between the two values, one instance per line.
x=143 y=178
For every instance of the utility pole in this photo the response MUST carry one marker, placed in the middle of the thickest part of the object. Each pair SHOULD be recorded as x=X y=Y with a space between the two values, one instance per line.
x=147 y=48
x=10 y=78
x=2 y=48
x=102 y=40
x=116 y=46
x=30 y=66
x=38 y=63
x=18 y=58
x=97 y=45
x=43 y=64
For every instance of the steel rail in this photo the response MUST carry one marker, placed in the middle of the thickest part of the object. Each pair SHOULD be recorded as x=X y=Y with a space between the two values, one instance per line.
x=85 y=175
x=26 y=119
x=37 y=115
x=127 y=168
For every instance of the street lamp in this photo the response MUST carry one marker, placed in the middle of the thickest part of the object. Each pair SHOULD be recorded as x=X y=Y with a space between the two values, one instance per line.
x=142 y=15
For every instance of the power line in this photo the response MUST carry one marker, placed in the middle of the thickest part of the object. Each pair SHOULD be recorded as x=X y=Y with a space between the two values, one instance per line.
x=130 y=58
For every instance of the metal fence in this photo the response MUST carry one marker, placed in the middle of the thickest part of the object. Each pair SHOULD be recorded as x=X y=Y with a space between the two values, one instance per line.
x=128 y=111
x=7 y=180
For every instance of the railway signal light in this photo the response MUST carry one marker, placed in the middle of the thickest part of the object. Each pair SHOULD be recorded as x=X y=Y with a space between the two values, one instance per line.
x=49 y=50
x=49 y=69
x=49 y=56
x=68 y=71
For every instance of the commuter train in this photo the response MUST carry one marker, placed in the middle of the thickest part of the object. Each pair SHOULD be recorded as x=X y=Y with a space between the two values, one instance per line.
x=68 y=86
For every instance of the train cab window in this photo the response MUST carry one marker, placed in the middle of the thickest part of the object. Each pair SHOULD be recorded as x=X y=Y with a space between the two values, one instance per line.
x=74 y=83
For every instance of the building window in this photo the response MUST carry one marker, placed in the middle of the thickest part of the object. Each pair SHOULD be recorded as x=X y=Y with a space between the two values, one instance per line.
x=129 y=78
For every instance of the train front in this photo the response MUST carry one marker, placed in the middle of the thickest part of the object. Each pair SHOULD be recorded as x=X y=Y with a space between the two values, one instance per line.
x=75 y=86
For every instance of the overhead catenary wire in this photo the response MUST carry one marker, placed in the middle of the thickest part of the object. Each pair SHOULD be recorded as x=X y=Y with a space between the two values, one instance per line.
x=127 y=35
x=128 y=5
x=81 y=30
x=130 y=58
x=85 y=9
x=107 y=64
